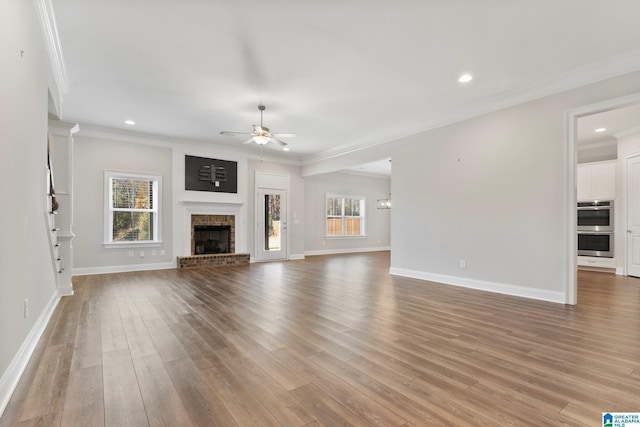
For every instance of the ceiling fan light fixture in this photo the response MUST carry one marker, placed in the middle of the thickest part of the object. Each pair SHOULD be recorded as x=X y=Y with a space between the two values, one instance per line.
x=261 y=134
x=261 y=139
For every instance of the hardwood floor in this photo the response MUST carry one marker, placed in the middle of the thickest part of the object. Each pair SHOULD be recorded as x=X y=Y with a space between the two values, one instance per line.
x=328 y=341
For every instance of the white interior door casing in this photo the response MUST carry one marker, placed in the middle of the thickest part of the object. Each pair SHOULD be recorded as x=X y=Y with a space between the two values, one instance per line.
x=271 y=229
x=271 y=212
x=633 y=216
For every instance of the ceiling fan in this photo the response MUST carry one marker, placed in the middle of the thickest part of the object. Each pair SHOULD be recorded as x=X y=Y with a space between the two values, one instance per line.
x=261 y=134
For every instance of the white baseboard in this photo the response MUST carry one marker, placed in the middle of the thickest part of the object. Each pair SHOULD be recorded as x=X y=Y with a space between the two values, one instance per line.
x=65 y=291
x=619 y=271
x=123 y=268
x=347 y=251
x=483 y=285
x=291 y=258
x=11 y=376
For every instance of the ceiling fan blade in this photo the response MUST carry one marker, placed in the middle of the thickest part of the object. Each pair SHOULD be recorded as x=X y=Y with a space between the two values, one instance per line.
x=227 y=132
x=285 y=135
x=282 y=143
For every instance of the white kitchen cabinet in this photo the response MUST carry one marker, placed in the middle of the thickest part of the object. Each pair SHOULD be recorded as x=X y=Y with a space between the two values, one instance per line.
x=596 y=181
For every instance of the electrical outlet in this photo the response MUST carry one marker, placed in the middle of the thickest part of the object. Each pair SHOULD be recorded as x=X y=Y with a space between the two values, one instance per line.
x=154 y=252
x=141 y=254
x=161 y=251
x=463 y=263
x=26 y=308
x=130 y=253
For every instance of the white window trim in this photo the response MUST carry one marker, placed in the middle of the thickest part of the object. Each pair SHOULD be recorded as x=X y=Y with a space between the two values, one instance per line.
x=363 y=217
x=108 y=216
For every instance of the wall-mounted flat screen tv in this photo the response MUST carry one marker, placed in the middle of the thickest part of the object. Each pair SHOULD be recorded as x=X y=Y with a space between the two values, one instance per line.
x=203 y=174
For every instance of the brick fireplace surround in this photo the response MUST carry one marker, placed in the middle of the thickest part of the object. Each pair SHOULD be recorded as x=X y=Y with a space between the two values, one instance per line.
x=208 y=260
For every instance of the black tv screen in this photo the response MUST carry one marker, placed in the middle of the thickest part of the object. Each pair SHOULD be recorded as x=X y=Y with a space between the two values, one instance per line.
x=203 y=174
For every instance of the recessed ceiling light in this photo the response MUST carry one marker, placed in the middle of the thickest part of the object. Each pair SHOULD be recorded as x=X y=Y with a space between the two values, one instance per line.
x=285 y=148
x=600 y=130
x=465 y=78
x=130 y=122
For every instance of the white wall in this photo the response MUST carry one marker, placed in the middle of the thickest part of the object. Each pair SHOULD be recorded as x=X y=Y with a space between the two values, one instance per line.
x=492 y=191
x=296 y=199
x=100 y=149
x=92 y=156
x=97 y=149
x=26 y=270
x=371 y=187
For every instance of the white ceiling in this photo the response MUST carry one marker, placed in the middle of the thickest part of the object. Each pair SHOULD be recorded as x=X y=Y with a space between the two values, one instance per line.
x=341 y=74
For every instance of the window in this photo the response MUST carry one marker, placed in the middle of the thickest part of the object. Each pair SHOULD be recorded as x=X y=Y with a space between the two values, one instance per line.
x=132 y=214
x=345 y=216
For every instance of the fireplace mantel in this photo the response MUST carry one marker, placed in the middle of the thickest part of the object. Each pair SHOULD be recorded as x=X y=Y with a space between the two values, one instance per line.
x=192 y=204
x=213 y=208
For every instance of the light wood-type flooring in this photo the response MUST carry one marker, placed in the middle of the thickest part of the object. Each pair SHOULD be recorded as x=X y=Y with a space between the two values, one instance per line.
x=328 y=341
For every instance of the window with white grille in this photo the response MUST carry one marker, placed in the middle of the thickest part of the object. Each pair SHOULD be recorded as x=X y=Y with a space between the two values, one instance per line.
x=132 y=214
x=345 y=216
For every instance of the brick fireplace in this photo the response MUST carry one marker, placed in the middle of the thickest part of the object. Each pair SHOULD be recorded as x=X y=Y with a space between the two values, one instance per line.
x=219 y=222
x=212 y=242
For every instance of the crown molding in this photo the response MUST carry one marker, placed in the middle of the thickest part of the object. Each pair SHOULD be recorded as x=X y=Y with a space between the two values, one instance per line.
x=59 y=127
x=601 y=144
x=365 y=174
x=131 y=137
x=58 y=80
x=627 y=132
x=594 y=72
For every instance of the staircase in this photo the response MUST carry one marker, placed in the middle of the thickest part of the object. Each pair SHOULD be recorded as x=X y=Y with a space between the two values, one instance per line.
x=59 y=221
x=50 y=220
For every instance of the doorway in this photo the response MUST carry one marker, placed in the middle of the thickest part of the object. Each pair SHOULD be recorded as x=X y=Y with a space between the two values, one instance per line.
x=571 y=155
x=272 y=225
x=272 y=211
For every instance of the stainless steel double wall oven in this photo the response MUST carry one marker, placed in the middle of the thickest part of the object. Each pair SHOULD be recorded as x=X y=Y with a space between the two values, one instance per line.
x=595 y=228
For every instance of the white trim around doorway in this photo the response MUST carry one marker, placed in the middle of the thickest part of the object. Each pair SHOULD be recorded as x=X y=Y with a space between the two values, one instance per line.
x=571 y=117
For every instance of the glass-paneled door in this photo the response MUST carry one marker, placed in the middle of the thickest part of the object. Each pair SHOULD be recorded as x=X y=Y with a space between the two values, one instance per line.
x=271 y=233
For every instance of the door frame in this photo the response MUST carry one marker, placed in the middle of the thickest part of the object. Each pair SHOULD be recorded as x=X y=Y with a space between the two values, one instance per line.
x=282 y=253
x=571 y=122
x=270 y=181
x=625 y=202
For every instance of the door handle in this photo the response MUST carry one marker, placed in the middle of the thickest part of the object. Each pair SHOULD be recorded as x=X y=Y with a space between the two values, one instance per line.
x=629 y=231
